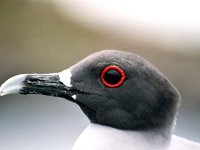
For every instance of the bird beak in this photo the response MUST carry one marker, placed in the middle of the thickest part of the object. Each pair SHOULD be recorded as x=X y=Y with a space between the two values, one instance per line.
x=54 y=84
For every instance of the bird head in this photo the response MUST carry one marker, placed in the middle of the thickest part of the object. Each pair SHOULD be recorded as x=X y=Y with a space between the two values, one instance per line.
x=113 y=88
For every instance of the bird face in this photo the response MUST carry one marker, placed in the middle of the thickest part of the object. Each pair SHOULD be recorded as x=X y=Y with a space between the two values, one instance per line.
x=113 y=88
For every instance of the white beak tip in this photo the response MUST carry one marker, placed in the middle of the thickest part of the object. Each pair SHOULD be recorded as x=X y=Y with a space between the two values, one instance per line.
x=2 y=92
x=12 y=85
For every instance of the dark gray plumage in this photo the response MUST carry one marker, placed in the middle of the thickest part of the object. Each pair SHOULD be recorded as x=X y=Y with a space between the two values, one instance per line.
x=146 y=100
x=139 y=113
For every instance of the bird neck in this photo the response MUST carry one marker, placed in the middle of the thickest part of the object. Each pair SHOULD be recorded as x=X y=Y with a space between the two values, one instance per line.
x=100 y=137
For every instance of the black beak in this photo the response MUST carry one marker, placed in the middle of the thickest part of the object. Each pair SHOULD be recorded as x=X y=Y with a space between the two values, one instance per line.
x=45 y=84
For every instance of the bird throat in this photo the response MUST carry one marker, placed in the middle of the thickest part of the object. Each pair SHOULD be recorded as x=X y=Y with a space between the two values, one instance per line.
x=100 y=137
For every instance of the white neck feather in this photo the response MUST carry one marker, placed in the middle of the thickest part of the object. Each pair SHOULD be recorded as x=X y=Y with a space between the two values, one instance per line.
x=98 y=137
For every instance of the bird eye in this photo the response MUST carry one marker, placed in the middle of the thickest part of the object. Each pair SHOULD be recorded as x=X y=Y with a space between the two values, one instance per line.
x=112 y=76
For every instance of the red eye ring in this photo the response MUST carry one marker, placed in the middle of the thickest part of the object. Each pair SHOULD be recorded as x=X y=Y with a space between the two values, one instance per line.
x=116 y=68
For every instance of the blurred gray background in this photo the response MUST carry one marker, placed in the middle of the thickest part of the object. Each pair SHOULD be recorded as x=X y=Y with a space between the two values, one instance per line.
x=50 y=36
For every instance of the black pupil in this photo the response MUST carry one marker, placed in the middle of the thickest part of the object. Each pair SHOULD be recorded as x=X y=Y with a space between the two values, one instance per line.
x=112 y=77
